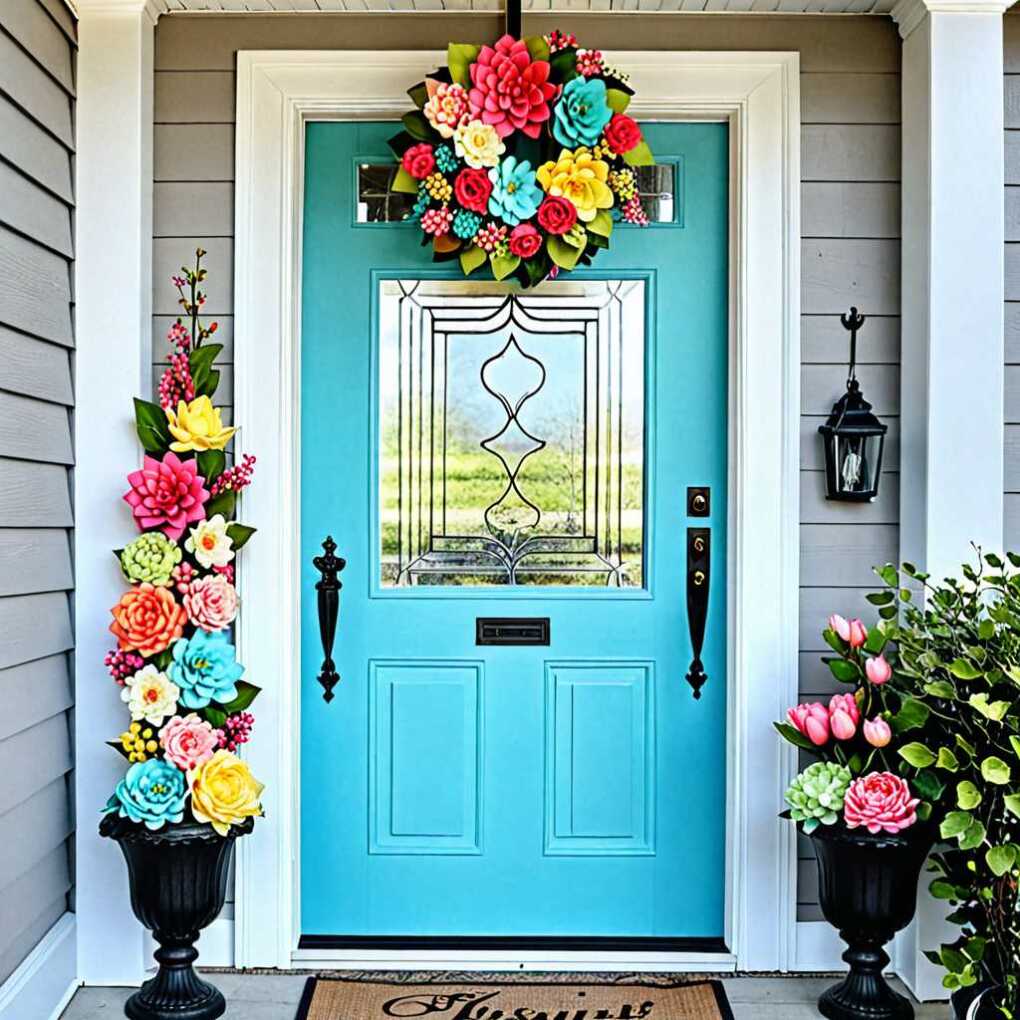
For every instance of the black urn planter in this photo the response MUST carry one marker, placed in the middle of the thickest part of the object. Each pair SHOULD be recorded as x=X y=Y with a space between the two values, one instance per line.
x=178 y=878
x=975 y=1003
x=867 y=887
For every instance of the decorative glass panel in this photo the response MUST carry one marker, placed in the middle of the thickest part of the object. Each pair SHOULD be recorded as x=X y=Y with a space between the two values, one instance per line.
x=377 y=201
x=511 y=433
x=656 y=187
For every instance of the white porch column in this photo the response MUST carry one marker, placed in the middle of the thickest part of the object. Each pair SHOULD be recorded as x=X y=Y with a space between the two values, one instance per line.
x=951 y=461
x=114 y=332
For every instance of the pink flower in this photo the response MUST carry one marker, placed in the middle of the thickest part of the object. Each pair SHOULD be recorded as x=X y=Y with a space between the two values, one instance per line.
x=167 y=494
x=843 y=716
x=558 y=40
x=437 y=221
x=509 y=90
x=183 y=574
x=491 y=236
x=211 y=602
x=419 y=161
x=880 y=801
x=188 y=741
x=858 y=634
x=176 y=383
x=812 y=720
x=589 y=62
x=633 y=212
x=877 y=732
x=525 y=241
x=878 y=670
x=227 y=570
x=840 y=625
x=447 y=106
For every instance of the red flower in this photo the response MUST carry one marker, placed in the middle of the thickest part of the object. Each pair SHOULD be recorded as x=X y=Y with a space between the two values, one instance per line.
x=525 y=240
x=557 y=214
x=510 y=90
x=419 y=161
x=622 y=133
x=473 y=188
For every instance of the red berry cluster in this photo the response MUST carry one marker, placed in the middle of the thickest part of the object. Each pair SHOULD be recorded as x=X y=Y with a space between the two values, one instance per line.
x=122 y=665
x=236 y=730
x=236 y=478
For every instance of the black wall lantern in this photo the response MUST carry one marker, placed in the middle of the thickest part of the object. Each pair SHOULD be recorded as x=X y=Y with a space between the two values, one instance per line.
x=853 y=436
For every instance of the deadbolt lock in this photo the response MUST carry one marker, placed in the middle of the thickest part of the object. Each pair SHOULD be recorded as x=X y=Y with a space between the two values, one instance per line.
x=699 y=501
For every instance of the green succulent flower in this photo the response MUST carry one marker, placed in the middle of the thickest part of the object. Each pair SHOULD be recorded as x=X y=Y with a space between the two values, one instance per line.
x=150 y=557
x=816 y=795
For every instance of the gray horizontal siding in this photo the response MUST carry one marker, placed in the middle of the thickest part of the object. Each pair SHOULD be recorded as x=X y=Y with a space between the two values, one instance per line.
x=37 y=65
x=850 y=138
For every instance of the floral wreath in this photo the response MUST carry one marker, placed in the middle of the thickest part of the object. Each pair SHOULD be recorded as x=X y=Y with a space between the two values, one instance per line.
x=175 y=661
x=520 y=155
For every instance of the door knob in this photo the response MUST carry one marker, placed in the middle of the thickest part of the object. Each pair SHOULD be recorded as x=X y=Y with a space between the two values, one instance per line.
x=328 y=589
x=699 y=550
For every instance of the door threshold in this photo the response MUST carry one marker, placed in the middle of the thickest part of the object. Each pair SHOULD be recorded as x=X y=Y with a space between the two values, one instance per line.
x=542 y=953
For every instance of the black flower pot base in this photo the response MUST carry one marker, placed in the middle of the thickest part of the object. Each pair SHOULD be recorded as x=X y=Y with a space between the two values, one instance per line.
x=867 y=888
x=178 y=878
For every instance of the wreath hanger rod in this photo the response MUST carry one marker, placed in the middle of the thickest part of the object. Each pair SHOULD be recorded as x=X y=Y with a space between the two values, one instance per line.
x=513 y=18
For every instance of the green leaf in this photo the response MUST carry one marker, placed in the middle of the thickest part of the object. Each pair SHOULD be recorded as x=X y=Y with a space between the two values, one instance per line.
x=214 y=715
x=404 y=182
x=941 y=689
x=151 y=426
x=927 y=784
x=538 y=48
x=239 y=534
x=968 y=796
x=964 y=670
x=564 y=65
x=995 y=710
x=881 y=598
x=419 y=94
x=223 y=504
x=211 y=464
x=942 y=890
x=953 y=960
x=640 y=155
x=834 y=641
x=876 y=641
x=1014 y=742
x=947 y=760
x=973 y=837
x=794 y=736
x=602 y=224
x=1012 y=802
x=844 y=670
x=417 y=126
x=618 y=101
x=890 y=574
x=955 y=823
x=913 y=714
x=888 y=612
x=964 y=746
x=917 y=755
x=471 y=258
x=504 y=265
x=986 y=630
x=995 y=770
x=563 y=254
x=1000 y=859
x=200 y=362
x=460 y=57
x=246 y=694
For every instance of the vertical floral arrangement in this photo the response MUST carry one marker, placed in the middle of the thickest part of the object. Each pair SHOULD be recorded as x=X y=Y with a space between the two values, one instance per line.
x=521 y=156
x=175 y=660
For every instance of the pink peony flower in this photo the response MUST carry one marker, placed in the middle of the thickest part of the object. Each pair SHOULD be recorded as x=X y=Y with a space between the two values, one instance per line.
x=509 y=90
x=211 y=602
x=880 y=802
x=167 y=494
x=447 y=106
x=877 y=732
x=812 y=720
x=437 y=221
x=858 y=634
x=188 y=741
x=840 y=625
x=843 y=716
x=878 y=670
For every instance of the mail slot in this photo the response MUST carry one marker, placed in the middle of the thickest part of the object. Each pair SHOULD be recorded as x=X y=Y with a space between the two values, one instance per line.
x=512 y=630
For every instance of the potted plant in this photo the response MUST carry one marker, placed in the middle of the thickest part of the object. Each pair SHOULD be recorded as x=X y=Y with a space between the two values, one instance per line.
x=958 y=660
x=871 y=828
x=186 y=795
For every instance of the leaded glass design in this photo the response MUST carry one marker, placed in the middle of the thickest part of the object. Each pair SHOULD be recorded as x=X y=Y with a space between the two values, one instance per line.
x=511 y=434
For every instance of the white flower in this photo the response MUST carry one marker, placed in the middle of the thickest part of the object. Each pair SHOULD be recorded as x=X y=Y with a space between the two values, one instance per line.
x=478 y=144
x=209 y=542
x=150 y=695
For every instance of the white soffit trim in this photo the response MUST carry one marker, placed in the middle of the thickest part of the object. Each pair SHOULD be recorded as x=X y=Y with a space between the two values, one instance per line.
x=908 y=14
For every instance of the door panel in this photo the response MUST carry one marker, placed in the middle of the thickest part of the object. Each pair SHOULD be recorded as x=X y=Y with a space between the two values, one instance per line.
x=480 y=452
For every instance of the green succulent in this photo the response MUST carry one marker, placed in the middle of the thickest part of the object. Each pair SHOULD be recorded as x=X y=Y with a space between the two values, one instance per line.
x=150 y=557
x=816 y=795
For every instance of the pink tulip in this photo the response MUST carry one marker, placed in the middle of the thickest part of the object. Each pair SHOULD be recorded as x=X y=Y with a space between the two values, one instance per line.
x=843 y=716
x=878 y=670
x=812 y=720
x=840 y=625
x=877 y=732
x=858 y=634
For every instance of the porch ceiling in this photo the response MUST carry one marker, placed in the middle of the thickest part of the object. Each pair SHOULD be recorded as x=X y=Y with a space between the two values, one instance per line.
x=567 y=6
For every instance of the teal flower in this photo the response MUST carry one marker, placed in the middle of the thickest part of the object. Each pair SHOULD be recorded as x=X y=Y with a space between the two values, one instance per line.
x=446 y=161
x=421 y=203
x=466 y=224
x=205 y=669
x=152 y=792
x=515 y=194
x=581 y=113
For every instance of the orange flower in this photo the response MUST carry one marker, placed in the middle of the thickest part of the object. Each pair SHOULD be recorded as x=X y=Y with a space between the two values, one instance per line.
x=147 y=620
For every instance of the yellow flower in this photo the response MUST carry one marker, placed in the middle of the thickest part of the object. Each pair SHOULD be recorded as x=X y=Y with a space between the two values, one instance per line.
x=224 y=792
x=478 y=144
x=197 y=426
x=580 y=178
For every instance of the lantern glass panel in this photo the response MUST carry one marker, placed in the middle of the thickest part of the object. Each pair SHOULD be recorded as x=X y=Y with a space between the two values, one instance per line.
x=856 y=462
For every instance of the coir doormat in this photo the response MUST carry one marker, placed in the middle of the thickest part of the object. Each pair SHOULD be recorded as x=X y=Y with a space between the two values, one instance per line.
x=333 y=999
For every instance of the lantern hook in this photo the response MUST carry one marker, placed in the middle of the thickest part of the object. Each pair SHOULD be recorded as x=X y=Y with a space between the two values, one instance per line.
x=852 y=323
x=513 y=18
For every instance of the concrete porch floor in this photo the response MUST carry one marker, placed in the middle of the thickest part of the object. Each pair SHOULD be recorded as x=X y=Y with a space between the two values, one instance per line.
x=276 y=996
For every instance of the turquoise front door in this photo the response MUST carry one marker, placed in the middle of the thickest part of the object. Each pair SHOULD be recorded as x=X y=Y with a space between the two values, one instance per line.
x=513 y=749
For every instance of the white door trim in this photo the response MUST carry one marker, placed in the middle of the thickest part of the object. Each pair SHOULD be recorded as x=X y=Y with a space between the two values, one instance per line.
x=758 y=94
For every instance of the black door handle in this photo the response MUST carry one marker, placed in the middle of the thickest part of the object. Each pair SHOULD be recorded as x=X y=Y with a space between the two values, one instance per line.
x=328 y=589
x=699 y=564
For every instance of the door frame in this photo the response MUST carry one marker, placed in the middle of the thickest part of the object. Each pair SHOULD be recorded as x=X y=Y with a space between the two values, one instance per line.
x=758 y=94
